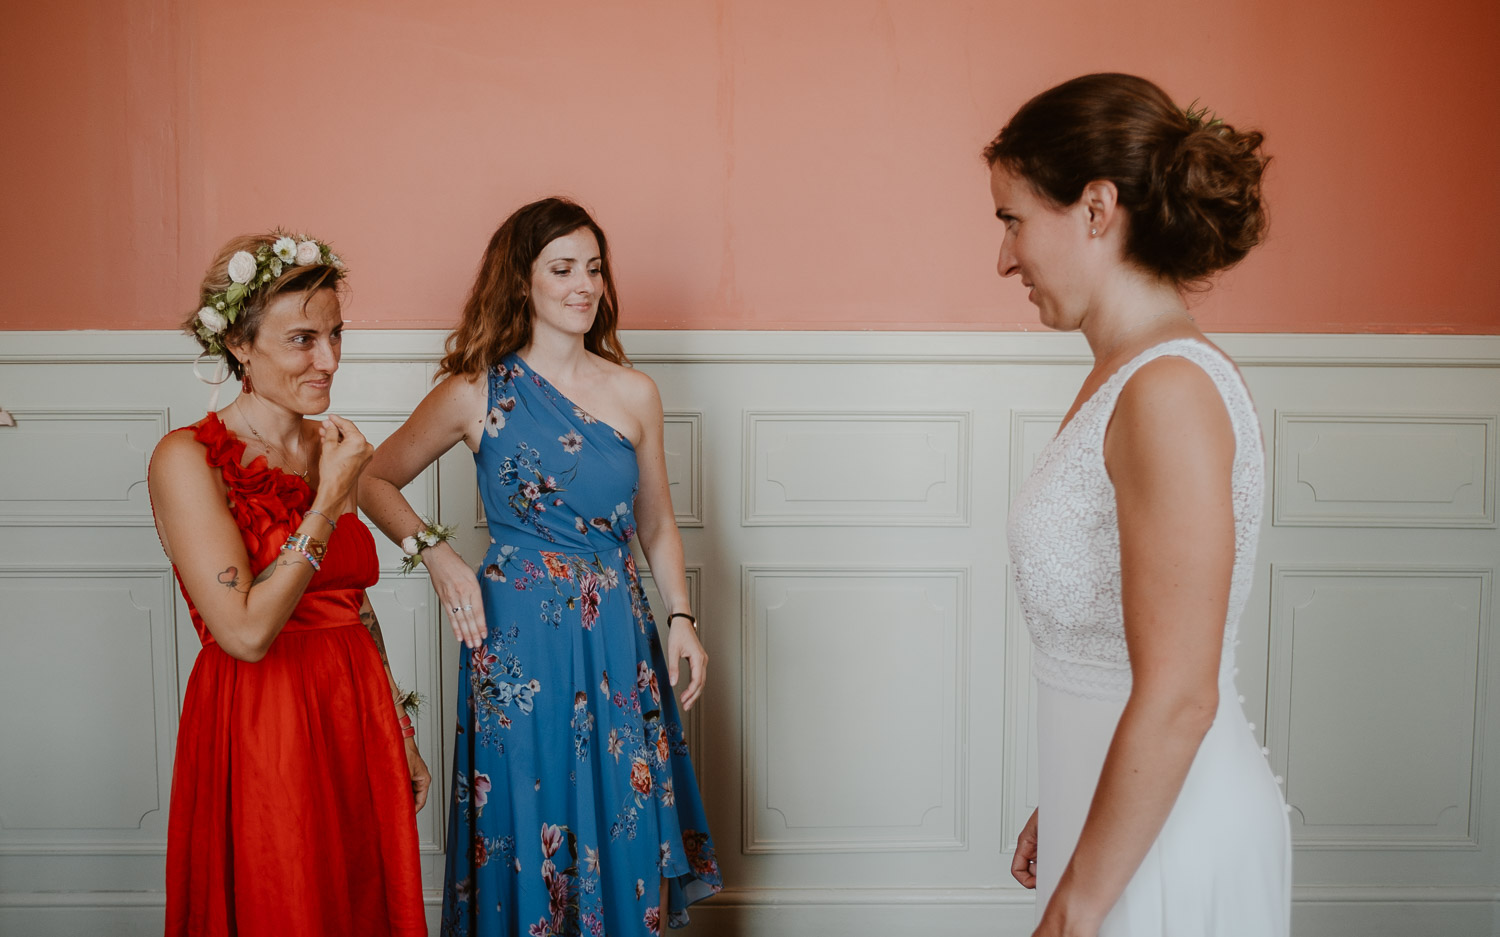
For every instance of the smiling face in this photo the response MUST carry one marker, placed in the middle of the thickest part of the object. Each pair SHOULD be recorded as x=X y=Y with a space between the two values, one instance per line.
x=567 y=279
x=296 y=351
x=1044 y=246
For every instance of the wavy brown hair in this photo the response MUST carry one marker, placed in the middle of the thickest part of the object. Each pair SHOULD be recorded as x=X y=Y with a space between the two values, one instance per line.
x=497 y=316
x=1190 y=182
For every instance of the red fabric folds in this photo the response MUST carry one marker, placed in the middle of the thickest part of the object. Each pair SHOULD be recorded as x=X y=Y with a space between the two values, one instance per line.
x=291 y=803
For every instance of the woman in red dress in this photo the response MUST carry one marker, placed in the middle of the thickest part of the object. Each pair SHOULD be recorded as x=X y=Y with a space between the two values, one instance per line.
x=293 y=802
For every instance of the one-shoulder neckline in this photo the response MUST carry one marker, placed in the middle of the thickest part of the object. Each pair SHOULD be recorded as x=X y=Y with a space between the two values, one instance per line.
x=571 y=402
x=237 y=452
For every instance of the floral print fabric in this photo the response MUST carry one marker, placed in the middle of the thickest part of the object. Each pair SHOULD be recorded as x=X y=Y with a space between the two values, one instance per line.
x=573 y=792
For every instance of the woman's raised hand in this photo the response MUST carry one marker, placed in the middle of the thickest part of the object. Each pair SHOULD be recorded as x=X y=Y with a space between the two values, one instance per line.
x=458 y=589
x=345 y=454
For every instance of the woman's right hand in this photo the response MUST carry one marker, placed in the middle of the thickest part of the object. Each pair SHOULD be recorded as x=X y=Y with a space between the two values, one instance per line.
x=1023 y=866
x=458 y=589
x=345 y=453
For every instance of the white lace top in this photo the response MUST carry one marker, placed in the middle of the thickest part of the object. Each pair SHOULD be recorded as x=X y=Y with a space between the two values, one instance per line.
x=1064 y=535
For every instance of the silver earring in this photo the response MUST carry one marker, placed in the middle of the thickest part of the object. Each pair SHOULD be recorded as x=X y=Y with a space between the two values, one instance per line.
x=1093 y=232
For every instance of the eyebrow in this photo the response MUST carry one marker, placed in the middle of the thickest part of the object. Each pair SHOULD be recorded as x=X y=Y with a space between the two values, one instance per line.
x=570 y=260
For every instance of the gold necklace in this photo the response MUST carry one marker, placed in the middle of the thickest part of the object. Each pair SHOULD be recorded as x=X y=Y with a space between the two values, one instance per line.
x=268 y=447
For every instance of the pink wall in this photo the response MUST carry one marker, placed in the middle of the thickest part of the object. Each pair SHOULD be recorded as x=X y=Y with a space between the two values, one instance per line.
x=758 y=164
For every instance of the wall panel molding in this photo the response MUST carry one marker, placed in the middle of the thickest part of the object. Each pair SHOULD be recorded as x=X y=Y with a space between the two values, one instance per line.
x=1334 y=724
x=97 y=455
x=870 y=695
x=93 y=649
x=823 y=769
x=1373 y=469
x=826 y=468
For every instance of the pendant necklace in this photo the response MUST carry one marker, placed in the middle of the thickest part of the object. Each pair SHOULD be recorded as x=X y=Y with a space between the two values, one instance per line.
x=268 y=447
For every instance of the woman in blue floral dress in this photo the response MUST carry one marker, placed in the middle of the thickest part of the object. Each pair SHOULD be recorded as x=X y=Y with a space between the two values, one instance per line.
x=575 y=809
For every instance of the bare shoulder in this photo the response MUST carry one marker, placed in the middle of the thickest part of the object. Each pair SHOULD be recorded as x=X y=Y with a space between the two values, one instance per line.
x=635 y=388
x=460 y=389
x=1170 y=405
x=179 y=454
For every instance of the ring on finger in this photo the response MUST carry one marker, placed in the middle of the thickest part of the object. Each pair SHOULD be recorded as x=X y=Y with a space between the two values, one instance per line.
x=468 y=608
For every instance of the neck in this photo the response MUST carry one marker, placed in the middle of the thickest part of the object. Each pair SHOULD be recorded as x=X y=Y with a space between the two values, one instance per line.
x=557 y=354
x=1130 y=307
x=276 y=424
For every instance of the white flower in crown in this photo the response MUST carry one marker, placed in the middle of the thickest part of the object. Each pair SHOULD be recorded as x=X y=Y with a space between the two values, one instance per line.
x=242 y=267
x=338 y=263
x=285 y=248
x=308 y=252
x=275 y=267
x=213 y=320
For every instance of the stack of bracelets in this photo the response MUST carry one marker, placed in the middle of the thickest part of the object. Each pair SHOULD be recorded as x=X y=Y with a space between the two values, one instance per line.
x=310 y=549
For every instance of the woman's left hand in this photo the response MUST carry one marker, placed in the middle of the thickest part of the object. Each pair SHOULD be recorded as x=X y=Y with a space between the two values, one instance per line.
x=682 y=641
x=421 y=778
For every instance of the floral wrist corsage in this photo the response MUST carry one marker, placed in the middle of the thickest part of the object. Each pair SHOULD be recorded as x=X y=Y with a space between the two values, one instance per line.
x=429 y=536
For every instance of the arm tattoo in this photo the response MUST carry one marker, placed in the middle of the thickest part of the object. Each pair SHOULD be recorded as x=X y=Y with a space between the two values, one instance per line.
x=367 y=615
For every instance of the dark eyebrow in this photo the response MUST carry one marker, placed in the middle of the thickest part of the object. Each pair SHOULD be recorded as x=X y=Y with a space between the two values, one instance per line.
x=570 y=260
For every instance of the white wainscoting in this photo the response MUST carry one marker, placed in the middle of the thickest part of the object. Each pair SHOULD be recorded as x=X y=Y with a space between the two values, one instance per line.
x=865 y=746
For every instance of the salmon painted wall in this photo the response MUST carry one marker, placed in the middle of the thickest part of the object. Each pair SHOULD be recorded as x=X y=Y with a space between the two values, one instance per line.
x=776 y=164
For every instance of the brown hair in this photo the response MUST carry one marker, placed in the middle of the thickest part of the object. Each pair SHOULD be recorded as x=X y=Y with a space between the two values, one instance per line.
x=1190 y=183
x=497 y=315
x=307 y=278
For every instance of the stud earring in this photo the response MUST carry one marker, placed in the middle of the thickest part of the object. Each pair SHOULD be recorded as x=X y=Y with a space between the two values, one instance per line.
x=1093 y=232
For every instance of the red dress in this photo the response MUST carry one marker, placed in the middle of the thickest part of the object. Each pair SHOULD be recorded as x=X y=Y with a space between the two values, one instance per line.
x=291 y=800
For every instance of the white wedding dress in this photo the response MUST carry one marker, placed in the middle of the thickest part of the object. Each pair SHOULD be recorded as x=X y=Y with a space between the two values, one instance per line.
x=1222 y=863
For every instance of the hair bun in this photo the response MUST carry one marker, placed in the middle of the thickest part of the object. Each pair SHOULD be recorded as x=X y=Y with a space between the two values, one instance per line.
x=1204 y=207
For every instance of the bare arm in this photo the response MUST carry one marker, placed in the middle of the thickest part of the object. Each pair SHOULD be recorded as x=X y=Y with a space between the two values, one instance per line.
x=243 y=612
x=452 y=411
x=1169 y=451
x=656 y=525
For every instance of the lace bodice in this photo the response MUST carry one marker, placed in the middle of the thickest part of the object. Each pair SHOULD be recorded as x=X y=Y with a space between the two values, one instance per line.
x=1064 y=535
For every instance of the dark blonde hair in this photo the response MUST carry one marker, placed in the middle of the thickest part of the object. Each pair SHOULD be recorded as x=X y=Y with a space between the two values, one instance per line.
x=307 y=278
x=1190 y=182
x=497 y=316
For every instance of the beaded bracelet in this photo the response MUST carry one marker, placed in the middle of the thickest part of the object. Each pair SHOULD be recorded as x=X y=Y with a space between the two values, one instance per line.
x=332 y=525
x=407 y=729
x=311 y=550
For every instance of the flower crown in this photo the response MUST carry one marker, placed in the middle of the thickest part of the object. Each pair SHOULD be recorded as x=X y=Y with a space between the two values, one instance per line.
x=249 y=272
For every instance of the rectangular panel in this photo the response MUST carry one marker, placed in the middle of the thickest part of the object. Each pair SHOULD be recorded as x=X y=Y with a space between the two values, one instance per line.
x=87 y=671
x=1380 y=470
x=1376 y=703
x=412 y=632
x=78 y=467
x=822 y=468
x=683 y=441
x=856 y=683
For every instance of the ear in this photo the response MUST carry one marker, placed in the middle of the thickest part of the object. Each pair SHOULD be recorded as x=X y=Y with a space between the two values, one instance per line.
x=1101 y=204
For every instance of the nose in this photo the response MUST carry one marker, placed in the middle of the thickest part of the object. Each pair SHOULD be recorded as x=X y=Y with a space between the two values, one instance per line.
x=1006 y=266
x=326 y=357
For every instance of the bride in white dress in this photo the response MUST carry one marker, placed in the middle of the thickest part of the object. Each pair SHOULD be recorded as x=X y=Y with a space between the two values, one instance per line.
x=1134 y=537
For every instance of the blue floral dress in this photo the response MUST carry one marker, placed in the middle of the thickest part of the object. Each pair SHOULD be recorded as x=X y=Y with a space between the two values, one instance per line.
x=573 y=792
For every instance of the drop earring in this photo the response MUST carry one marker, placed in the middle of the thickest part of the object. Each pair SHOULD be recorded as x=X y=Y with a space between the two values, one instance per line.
x=246 y=387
